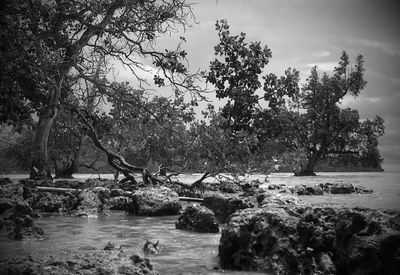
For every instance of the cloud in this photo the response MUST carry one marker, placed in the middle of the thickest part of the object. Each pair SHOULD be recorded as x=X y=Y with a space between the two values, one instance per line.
x=388 y=48
x=322 y=54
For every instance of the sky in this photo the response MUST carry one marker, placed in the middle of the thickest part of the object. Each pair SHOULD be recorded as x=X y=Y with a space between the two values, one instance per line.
x=304 y=33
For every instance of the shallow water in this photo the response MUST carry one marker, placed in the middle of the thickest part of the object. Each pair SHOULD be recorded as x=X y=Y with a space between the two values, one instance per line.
x=182 y=252
x=185 y=252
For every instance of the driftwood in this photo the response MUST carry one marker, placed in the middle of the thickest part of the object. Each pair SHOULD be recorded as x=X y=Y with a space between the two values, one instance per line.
x=66 y=190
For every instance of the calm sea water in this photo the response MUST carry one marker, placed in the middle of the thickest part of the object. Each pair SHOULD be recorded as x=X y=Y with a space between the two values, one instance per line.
x=185 y=252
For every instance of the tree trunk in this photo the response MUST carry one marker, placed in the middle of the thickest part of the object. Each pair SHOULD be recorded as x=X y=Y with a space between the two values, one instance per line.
x=40 y=166
x=309 y=169
x=65 y=168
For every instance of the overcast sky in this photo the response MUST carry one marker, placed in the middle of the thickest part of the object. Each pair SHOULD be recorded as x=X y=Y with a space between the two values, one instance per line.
x=304 y=33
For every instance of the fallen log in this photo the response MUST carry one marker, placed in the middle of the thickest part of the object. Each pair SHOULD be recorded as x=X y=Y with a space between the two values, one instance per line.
x=190 y=199
x=56 y=189
x=65 y=190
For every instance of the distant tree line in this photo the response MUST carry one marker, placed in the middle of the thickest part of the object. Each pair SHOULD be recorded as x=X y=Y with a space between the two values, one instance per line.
x=61 y=112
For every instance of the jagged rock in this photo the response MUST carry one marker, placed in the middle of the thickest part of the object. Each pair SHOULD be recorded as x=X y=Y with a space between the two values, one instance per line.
x=110 y=184
x=116 y=192
x=367 y=242
x=96 y=262
x=152 y=248
x=52 y=203
x=338 y=188
x=154 y=201
x=4 y=181
x=224 y=205
x=303 y=189
x=312 y=240
x=197 y=218
x=363 y=190
x=16 y=214
x=88 y=204
x=120 y=203
x=278 y=199
x=276 y=186
x=224 y=186
x=247 y=185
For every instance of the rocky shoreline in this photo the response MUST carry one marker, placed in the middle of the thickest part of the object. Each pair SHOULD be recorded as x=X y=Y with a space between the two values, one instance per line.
x=262 y=229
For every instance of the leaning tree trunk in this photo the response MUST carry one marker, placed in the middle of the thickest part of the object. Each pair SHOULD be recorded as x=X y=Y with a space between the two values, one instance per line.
x=40 y=165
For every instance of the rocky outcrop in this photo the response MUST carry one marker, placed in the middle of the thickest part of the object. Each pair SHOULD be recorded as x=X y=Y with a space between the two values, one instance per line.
x=16 y=215
x=303 y=189
x=154 y=201
x=120 y=203
x=109 y=261
x=367 y=242
x=320 y=189
x=311 y=240
x=224 y=205
x=197 y=218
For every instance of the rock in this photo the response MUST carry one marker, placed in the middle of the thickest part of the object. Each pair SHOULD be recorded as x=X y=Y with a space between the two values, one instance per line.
x=111 y=246
x=151 y=248
x=367 y=242
x=102 y=192
x=224 y=205
x=338 y=188
x=197 y=218
x=154 y=201
x=292 y=239
x=261 y=240
x=120 y=203
x=88 y=204
x=224 y=186
x=276 y=186
x=4 y=181
x=52 y=203
x=90 y=183
x=247 y=185
x=278 y=199
x=96 y=262
x=74 y=184
x=303 y=189
x=363 y=190
x=116 y=192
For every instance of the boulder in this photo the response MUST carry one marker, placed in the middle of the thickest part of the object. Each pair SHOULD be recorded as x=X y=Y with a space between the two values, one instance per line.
x=4 y=181
x=111 y=261
x=154 y=201
x=224 y=186
x=151 y=247
x=116 y=192
x=197 y=218
x=52 y=203
x=16 y=214
x=303 y=189
x=292 y=239
x=363 y=190
x=88 y=204
x=120 y=203
x=278 y=199
x=93 y=182
x=276 y=186
x=338 y=188
x=367 y=242
x=224 y=205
